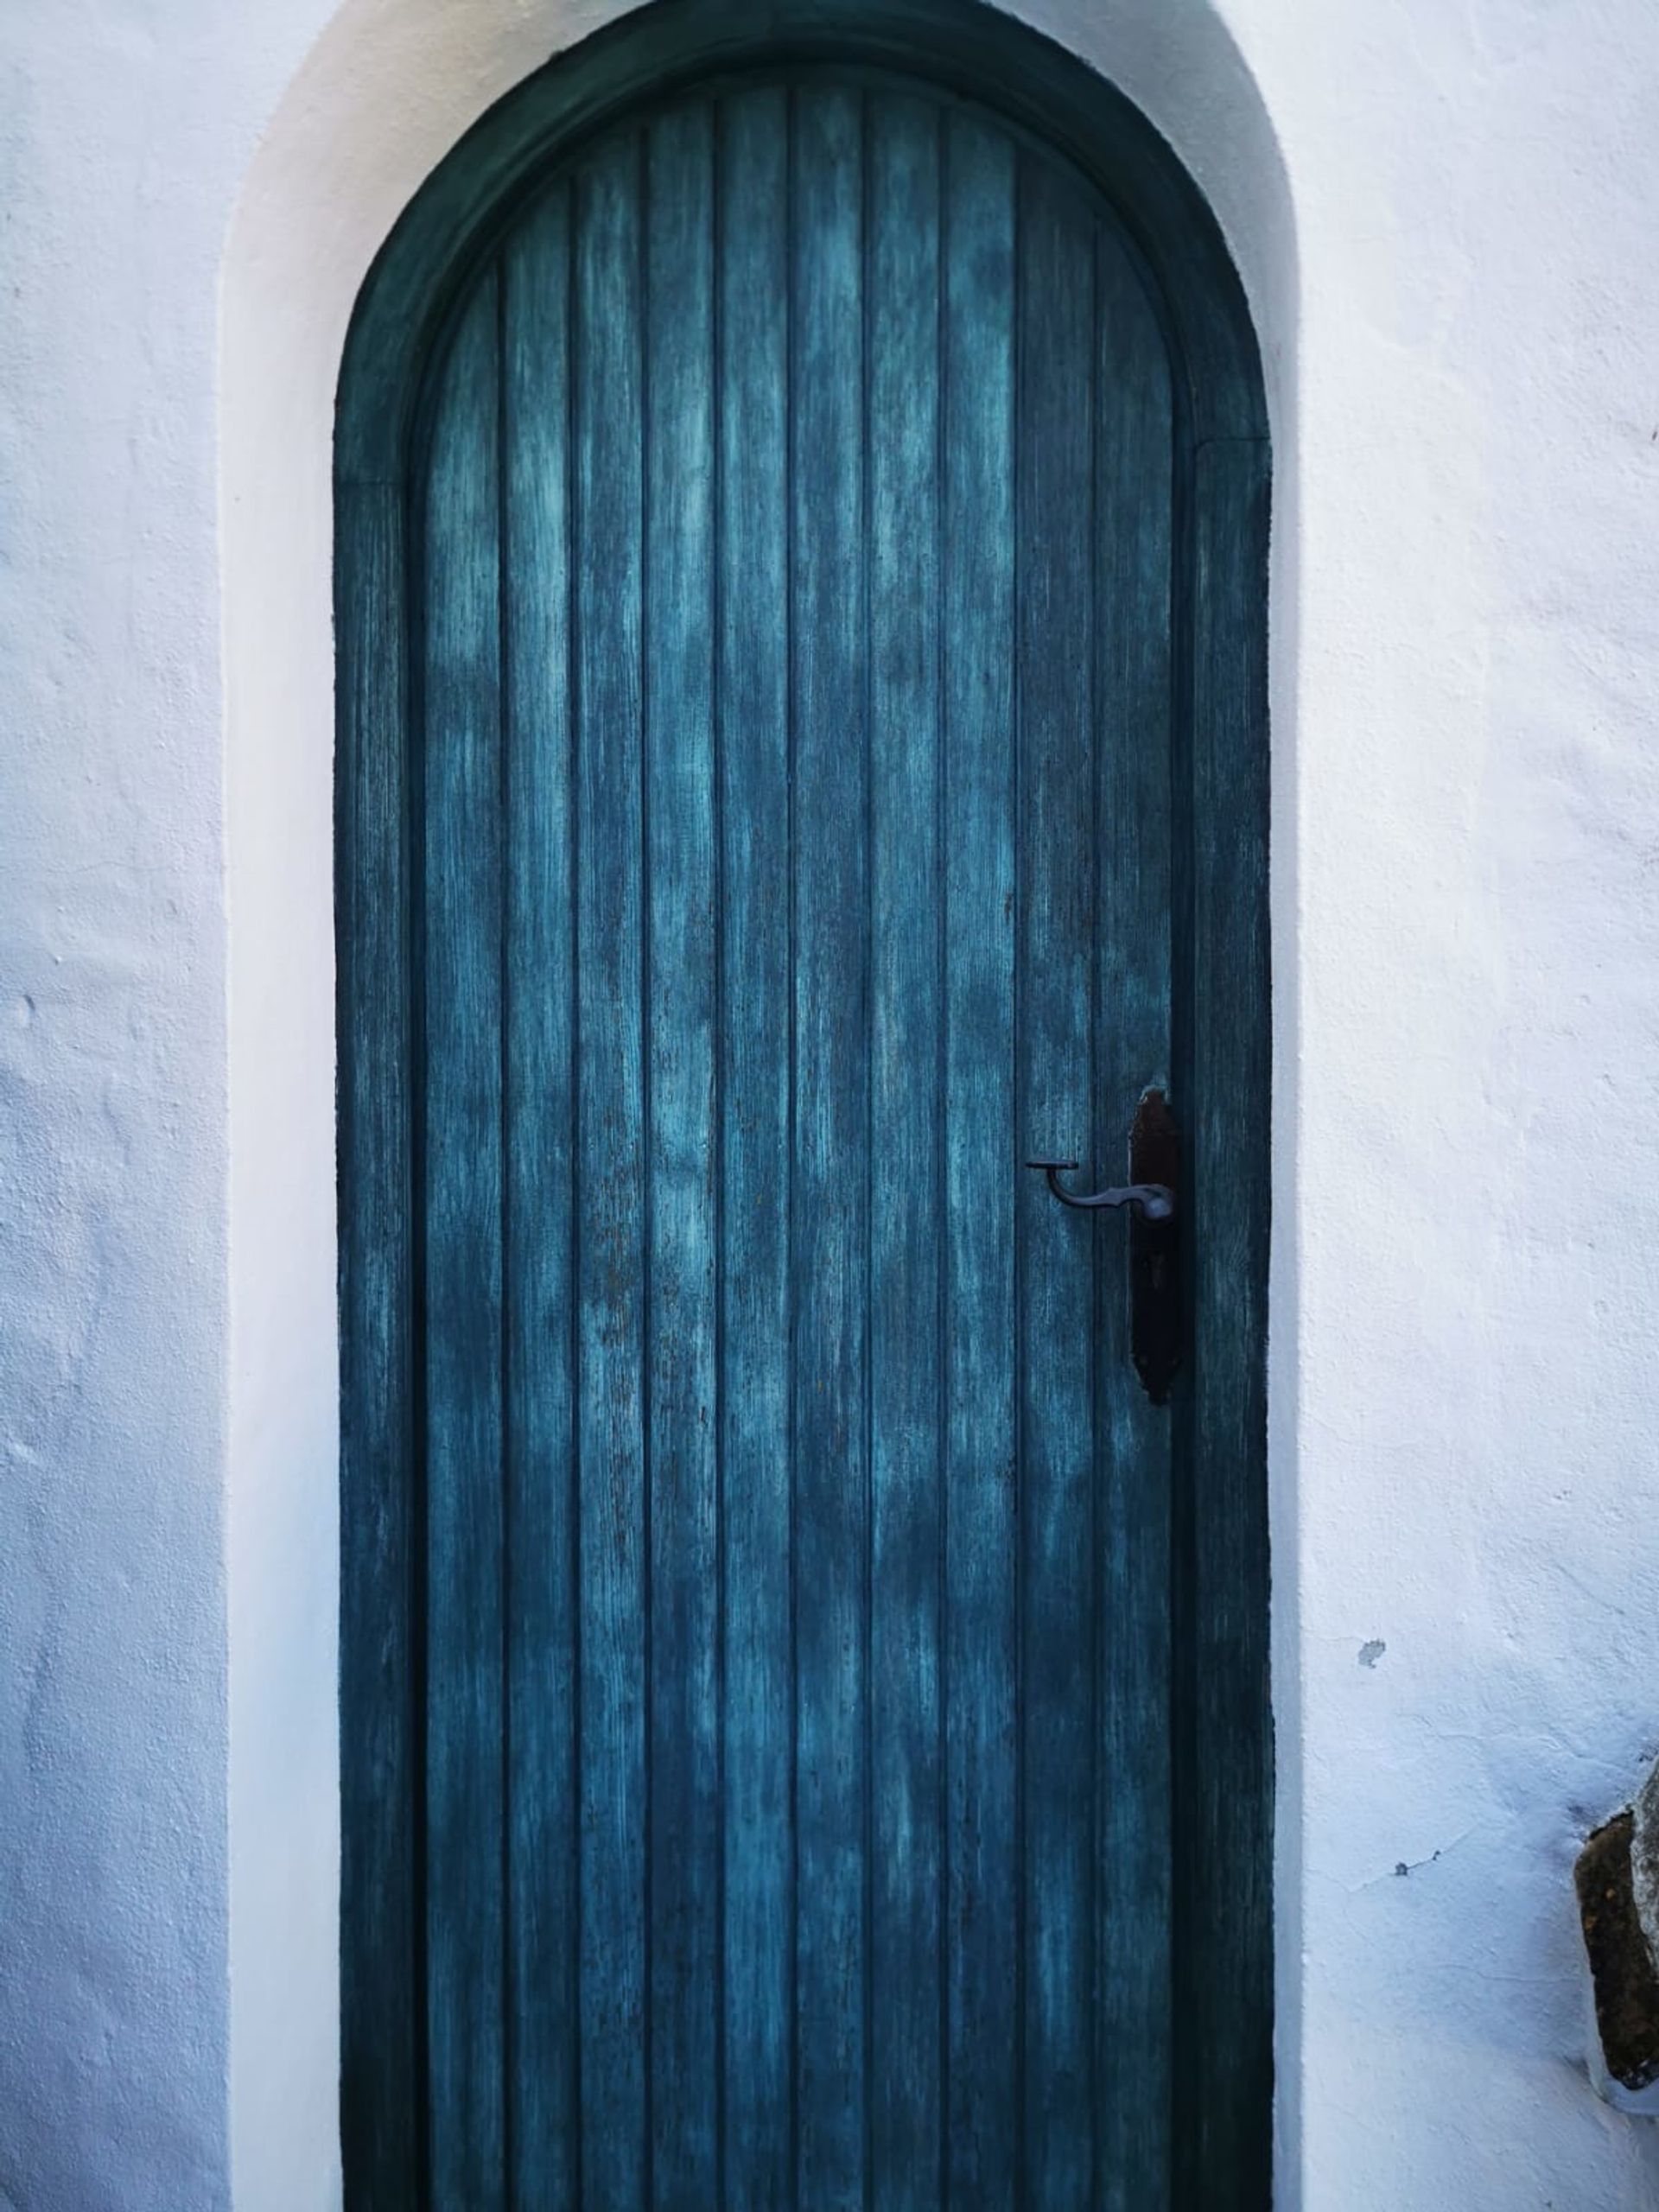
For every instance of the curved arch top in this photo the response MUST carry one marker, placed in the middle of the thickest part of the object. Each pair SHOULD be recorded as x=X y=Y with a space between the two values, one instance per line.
x=590 y=736
x=961 y=46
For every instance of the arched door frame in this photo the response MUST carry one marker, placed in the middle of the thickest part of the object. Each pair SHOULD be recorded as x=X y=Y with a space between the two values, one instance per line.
x=1221 y=1752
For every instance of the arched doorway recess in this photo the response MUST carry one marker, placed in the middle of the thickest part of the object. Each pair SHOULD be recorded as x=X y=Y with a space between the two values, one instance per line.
x=801 y=509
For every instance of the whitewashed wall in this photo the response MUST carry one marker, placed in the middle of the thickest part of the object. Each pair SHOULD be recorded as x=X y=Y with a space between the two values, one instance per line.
x=1446 y=215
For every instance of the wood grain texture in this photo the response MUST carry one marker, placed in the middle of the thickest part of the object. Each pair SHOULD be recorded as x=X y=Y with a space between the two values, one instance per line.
x=611 y=1290
x=757 y=1521
x=968 y=45
x=1134 y=702
x=463 y=1274
x=381 y=2072
x=541 y=1198
x=905 y=1166
x=680 y=1157
x=829 y=1018
x=824 y=1762
x=980 y=1534
x=1060 y=1250
x=1224 y=1922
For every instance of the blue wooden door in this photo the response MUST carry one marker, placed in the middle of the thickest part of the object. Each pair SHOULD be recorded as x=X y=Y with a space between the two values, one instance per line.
x=794 y=616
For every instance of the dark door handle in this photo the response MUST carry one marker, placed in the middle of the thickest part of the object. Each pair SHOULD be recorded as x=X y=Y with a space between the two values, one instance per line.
x=1155 y=1200
x=1157 y=1319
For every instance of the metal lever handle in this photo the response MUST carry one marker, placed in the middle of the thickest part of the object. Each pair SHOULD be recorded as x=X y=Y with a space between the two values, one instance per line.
x=1156 y=1201
x=1158 y=1324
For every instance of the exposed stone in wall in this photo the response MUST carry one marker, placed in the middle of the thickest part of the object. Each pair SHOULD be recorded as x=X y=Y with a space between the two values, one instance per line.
x=1618 y=1882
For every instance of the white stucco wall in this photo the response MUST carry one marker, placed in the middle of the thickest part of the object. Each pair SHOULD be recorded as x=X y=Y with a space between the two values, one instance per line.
x=1444 y=214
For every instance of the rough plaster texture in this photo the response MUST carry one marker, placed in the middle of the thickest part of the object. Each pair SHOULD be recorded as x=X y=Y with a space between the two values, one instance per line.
x=1443 y=211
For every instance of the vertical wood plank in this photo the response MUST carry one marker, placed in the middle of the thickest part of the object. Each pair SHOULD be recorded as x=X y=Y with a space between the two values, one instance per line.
x=380 y=2124
x=612 y=1169
x=783 y=1809
x=1057 y=920
x=1134 y=441
x=680 y=1140
x=541 y=1199
x=462 y=1171
x=754 y=2085
x=906 y=1164
x=830 y=1203
x=1224 y=1753
x=981 y=1539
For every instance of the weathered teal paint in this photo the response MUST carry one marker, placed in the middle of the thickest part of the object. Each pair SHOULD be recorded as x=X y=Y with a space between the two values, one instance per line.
x=802 y=511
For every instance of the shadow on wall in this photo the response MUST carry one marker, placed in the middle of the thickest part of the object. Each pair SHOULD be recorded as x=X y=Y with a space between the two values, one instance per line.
x=386 y=90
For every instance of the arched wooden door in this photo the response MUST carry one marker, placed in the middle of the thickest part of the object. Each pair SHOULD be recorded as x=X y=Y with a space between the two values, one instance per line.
x=804 y=1724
